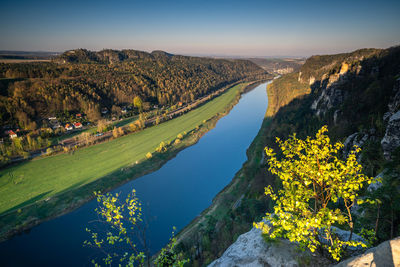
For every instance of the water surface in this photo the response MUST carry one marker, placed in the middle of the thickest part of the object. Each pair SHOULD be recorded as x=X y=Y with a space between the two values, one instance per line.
x=172 y=196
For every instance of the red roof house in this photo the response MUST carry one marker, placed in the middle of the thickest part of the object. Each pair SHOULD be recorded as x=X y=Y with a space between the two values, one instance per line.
x=69 y=127
x=77 y=125
x=12 y=134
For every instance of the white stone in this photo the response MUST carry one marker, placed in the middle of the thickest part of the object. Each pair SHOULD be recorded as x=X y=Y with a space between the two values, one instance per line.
x=251 y=250
x=386 y=254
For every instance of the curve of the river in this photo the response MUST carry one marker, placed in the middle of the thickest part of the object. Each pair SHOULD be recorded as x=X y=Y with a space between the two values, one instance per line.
x=172 y=196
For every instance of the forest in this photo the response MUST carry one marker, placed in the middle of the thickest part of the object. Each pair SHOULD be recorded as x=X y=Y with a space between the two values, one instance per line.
x=82 y=81
x=40 y=100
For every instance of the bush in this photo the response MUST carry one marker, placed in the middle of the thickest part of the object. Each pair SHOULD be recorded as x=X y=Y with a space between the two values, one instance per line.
x=49 y=151
x=313 y=181
x=162 y=147
x=125 y=225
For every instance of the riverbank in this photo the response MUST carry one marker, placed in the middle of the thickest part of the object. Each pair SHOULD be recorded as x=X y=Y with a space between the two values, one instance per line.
x=234 y=209
x=243 y=201
x=74 y=140
x=67 y=200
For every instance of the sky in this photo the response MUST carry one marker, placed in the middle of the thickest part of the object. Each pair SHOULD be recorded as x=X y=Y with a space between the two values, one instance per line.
x=231 y=28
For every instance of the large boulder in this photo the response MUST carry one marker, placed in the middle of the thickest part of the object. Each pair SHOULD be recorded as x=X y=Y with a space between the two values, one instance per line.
x=251 y=250
x=386 y=254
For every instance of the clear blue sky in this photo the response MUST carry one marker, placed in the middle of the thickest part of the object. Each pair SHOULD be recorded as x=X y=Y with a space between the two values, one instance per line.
x=248 y=28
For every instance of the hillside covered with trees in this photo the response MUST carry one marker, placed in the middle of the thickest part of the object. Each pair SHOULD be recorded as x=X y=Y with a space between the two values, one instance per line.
x=82 y=81
x=357 y=95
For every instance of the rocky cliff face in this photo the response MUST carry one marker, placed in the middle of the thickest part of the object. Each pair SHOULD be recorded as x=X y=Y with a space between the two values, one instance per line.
x=334 y=90
x=391 y=140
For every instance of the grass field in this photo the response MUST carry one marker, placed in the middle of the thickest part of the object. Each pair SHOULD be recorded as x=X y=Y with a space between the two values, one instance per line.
x=40 y=179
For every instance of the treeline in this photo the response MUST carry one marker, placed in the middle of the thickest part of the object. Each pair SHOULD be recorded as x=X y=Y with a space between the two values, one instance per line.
x=88 y=82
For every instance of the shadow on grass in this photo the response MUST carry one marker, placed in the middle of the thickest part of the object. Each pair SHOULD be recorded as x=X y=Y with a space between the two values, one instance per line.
x=26 y=203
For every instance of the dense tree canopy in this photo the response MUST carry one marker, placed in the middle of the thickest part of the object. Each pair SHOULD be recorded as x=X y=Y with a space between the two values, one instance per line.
x=84 y=81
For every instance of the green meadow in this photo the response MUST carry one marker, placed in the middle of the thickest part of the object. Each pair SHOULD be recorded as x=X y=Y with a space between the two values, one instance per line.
x=43 y=178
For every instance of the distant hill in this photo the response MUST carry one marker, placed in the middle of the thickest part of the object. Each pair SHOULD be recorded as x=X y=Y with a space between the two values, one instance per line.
x=279 y=65
x=109 y=56
x=83 y=81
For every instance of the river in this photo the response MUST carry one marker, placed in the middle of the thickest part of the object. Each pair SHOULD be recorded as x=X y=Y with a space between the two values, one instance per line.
x=172 y=196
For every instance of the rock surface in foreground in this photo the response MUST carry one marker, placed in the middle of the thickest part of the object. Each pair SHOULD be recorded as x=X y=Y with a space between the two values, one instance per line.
x=386 y=254
x=250 y=250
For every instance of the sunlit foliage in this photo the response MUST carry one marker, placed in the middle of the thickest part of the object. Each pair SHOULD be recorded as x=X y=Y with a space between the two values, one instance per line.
x=125 y=226
x=123 y=218
x=314 y=182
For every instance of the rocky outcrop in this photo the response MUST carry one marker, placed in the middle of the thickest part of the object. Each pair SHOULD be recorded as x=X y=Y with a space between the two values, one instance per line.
x=375 y=185
x=311 y=80
x=344 y=68
x=391 y=140
x=394 y=104
x=250 y=249
x=329 y=97
x=386 y=254
x=358 y=139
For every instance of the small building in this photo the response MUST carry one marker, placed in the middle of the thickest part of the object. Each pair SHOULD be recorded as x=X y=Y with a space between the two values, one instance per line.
x=77 y=125
x=69 y=127
x=52 y=118
x=79 y=116
x=56 y=125
x=104 y=110
x=12 y=134
x=124 y=110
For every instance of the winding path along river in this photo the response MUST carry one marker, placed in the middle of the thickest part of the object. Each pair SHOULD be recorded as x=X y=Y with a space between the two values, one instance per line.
x=172 y=196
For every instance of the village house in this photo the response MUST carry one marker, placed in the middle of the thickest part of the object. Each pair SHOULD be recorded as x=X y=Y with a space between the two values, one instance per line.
x=12 y=134
x=77 y=125
x=69 y=127
x=54 y=123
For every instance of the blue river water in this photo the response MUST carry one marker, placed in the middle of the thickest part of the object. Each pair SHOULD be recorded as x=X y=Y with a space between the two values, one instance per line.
x=172 y=196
